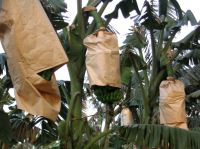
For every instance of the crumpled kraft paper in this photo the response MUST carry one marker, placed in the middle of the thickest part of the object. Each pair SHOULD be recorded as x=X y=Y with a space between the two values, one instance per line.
x=172 y=103
x=102 y=59
x=126 y=117
x=32 y=46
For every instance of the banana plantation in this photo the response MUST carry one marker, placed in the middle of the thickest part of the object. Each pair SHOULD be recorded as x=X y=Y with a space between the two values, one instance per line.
x=144 y=92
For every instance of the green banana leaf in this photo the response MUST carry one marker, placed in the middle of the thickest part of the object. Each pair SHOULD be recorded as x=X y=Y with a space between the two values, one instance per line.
x=126 y=6
x=5 y=128
x=153 y=136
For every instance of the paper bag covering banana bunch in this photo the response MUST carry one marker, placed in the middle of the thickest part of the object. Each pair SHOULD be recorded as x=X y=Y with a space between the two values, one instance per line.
x=172 y=103
x=32 y=47
x=126 y=117
x=103 y=65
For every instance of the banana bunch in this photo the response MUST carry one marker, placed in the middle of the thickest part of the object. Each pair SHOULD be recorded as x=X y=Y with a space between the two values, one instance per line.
x=46 y=74
x=108 y=94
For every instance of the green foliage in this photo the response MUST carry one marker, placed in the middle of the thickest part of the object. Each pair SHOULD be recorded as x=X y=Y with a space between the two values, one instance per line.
x=21 y=129
x=178 y=8
x=46 y=74
x=106 y=0
x=5 y=98
x=108 y=94
x=54 y=8
x=126 y=7
x=189 y=17
x=190 y=41
x=135 y=39
x=96 y=138
x=64 y=88
x=3 y=62
x=140 y=84
x=5 y=127
x=48 y=132
x=190 y=58
x=163 y=5
x=150 y=19
x=72 y=42
x=136 y=98
x=126 y=75
x=116 y=142
x=54 y=145
x=130 y=59
x=191 y=76
x=166 y=8
x=152 y=136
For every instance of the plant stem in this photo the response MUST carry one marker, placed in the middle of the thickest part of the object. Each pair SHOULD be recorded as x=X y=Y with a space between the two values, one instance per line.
x=154 y=88
x=169 y=42
x=154 y=58
x=144 y=71
x=161 y=39
x=97 y=18
x=146 y=105
x=109 y=117
x=160 y=42
x=92 y=26
x=68 y=140
x=80 y=19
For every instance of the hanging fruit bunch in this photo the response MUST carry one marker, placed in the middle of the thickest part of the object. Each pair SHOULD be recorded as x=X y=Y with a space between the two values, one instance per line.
x=172 y=95
x=107 y=94
x=103 y=62
x=126 y=117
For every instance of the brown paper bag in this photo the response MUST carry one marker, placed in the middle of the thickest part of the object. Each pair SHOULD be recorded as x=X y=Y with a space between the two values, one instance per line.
x=172 y=103
x=32 y=46
x=126 y=117
x=102 y=59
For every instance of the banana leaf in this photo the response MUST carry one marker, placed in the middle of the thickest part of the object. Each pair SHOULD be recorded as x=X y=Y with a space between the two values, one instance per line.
x=163 y=4
x=54 y=8
x=126 y=6
x=5 y=128
x=153 y=136
x=185 y=43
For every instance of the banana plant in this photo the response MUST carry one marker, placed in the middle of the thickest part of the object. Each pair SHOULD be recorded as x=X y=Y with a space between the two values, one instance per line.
x=161 y=37
x=142 y=69
x=150 y=39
